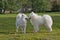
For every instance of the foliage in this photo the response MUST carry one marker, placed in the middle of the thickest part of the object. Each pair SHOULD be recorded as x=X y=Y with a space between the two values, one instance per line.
x=41 y=5
x=25 y=5
x=0 y=6
x=55 y=6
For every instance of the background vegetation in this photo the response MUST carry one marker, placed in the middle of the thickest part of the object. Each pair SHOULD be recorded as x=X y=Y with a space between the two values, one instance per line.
x=29 y=5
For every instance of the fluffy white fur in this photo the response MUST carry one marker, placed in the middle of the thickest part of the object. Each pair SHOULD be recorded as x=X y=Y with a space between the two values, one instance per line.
x=41 y=20
x=21 y=21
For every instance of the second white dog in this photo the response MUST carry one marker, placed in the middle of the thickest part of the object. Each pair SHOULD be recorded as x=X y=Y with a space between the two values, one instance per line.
x=21 y=21
x=41 y=20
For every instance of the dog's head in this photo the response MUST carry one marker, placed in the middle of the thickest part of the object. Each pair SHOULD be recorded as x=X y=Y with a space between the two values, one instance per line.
x=31 y=15
x=24 y=16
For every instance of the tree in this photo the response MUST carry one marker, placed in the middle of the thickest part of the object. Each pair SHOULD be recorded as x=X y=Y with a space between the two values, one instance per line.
x=55 y=6
x=11 y=5
x=41 y=5
x=0 y=6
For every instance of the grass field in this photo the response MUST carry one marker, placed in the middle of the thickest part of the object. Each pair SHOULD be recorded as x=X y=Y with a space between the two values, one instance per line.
x=7 y=29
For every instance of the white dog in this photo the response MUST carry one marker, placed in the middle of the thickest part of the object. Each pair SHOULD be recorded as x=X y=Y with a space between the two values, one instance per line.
x=21 y=21
x=41 y=20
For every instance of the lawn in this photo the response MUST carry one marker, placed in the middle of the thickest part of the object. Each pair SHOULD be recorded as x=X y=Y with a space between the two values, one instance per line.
x=7 y=29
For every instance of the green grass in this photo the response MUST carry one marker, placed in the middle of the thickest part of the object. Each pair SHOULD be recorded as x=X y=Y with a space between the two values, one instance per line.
x=7 y=29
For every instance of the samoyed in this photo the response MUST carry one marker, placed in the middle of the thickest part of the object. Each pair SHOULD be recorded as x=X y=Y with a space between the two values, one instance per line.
x=21 y=21
x=37 y=21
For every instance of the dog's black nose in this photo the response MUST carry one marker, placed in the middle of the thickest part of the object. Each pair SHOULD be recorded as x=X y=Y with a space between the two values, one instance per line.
x=26 y=18
x=29 y=18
